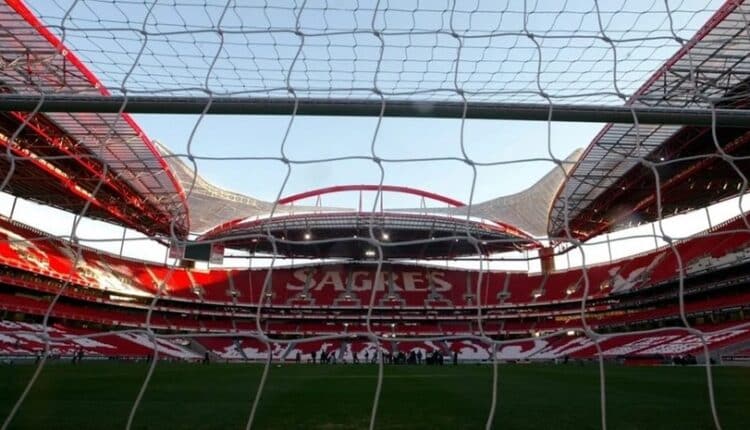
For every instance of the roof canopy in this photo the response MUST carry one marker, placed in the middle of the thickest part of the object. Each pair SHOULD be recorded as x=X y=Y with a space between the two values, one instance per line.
x=416 y=233
x=632 y=173
x=63 y=157
x=353 y=235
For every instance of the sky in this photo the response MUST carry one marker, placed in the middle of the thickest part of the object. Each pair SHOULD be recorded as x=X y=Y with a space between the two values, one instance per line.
x=510 y=155
x=184 y=55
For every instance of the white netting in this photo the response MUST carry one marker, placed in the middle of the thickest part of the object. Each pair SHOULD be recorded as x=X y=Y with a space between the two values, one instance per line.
x=364 y=284
x=514 y=51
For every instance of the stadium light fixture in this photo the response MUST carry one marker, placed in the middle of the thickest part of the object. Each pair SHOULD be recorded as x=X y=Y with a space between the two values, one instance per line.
x=370 y=253
x=308 y=235
x=571 y=333
x=385 y=236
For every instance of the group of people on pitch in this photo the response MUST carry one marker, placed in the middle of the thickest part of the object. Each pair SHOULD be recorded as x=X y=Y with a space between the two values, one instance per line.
x=399 y=357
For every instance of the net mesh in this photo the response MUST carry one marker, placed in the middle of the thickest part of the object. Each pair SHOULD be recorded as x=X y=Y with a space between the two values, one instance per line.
x=672 y=55
x=514 y=51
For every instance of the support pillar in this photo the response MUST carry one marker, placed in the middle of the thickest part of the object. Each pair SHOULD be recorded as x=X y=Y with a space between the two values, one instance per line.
x=547 y=259
x=122 y=242
x=13 y=208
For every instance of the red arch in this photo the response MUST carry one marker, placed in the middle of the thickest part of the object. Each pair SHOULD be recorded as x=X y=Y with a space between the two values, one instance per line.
x=390 y=188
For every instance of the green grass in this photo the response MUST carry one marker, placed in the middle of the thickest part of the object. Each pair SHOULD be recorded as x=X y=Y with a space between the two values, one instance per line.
x=184 y=396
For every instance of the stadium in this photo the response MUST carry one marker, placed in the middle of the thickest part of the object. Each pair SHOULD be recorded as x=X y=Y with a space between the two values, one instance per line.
x=594 y=277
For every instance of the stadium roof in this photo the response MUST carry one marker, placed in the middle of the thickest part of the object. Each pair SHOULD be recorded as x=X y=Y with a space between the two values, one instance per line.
x=62 y=157
x=528 y=209
x=614 y=184
x=212 y=206
x=348 y=234
x=414 y=233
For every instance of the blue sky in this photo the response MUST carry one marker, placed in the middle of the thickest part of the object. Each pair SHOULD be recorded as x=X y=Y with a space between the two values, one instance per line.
x=316 y=138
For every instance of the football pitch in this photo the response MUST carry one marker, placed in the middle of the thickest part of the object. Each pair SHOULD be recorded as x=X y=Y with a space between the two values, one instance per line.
x=99 y=395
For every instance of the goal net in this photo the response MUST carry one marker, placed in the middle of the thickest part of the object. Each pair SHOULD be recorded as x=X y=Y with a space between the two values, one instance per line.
x=374 y=182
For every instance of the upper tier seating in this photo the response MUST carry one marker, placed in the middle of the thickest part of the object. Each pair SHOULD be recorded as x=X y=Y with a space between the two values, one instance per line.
x=514 y=299
x=351 y=285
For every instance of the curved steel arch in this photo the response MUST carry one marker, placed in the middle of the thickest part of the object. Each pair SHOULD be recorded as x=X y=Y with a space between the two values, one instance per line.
x=361 y=187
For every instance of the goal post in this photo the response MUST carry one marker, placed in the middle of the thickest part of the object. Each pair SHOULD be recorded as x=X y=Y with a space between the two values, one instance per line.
x=719 y=117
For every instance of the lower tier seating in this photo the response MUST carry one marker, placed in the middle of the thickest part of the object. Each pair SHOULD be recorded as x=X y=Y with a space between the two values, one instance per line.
x=27 y=339
x=666 y=343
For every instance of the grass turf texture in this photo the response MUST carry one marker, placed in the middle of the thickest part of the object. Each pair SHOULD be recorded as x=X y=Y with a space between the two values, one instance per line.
x=219 y=396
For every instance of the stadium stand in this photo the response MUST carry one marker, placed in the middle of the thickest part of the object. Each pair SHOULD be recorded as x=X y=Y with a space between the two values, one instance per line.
x=19 y=339
x=665 y=344
x=195 y=300
x=405 y=286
